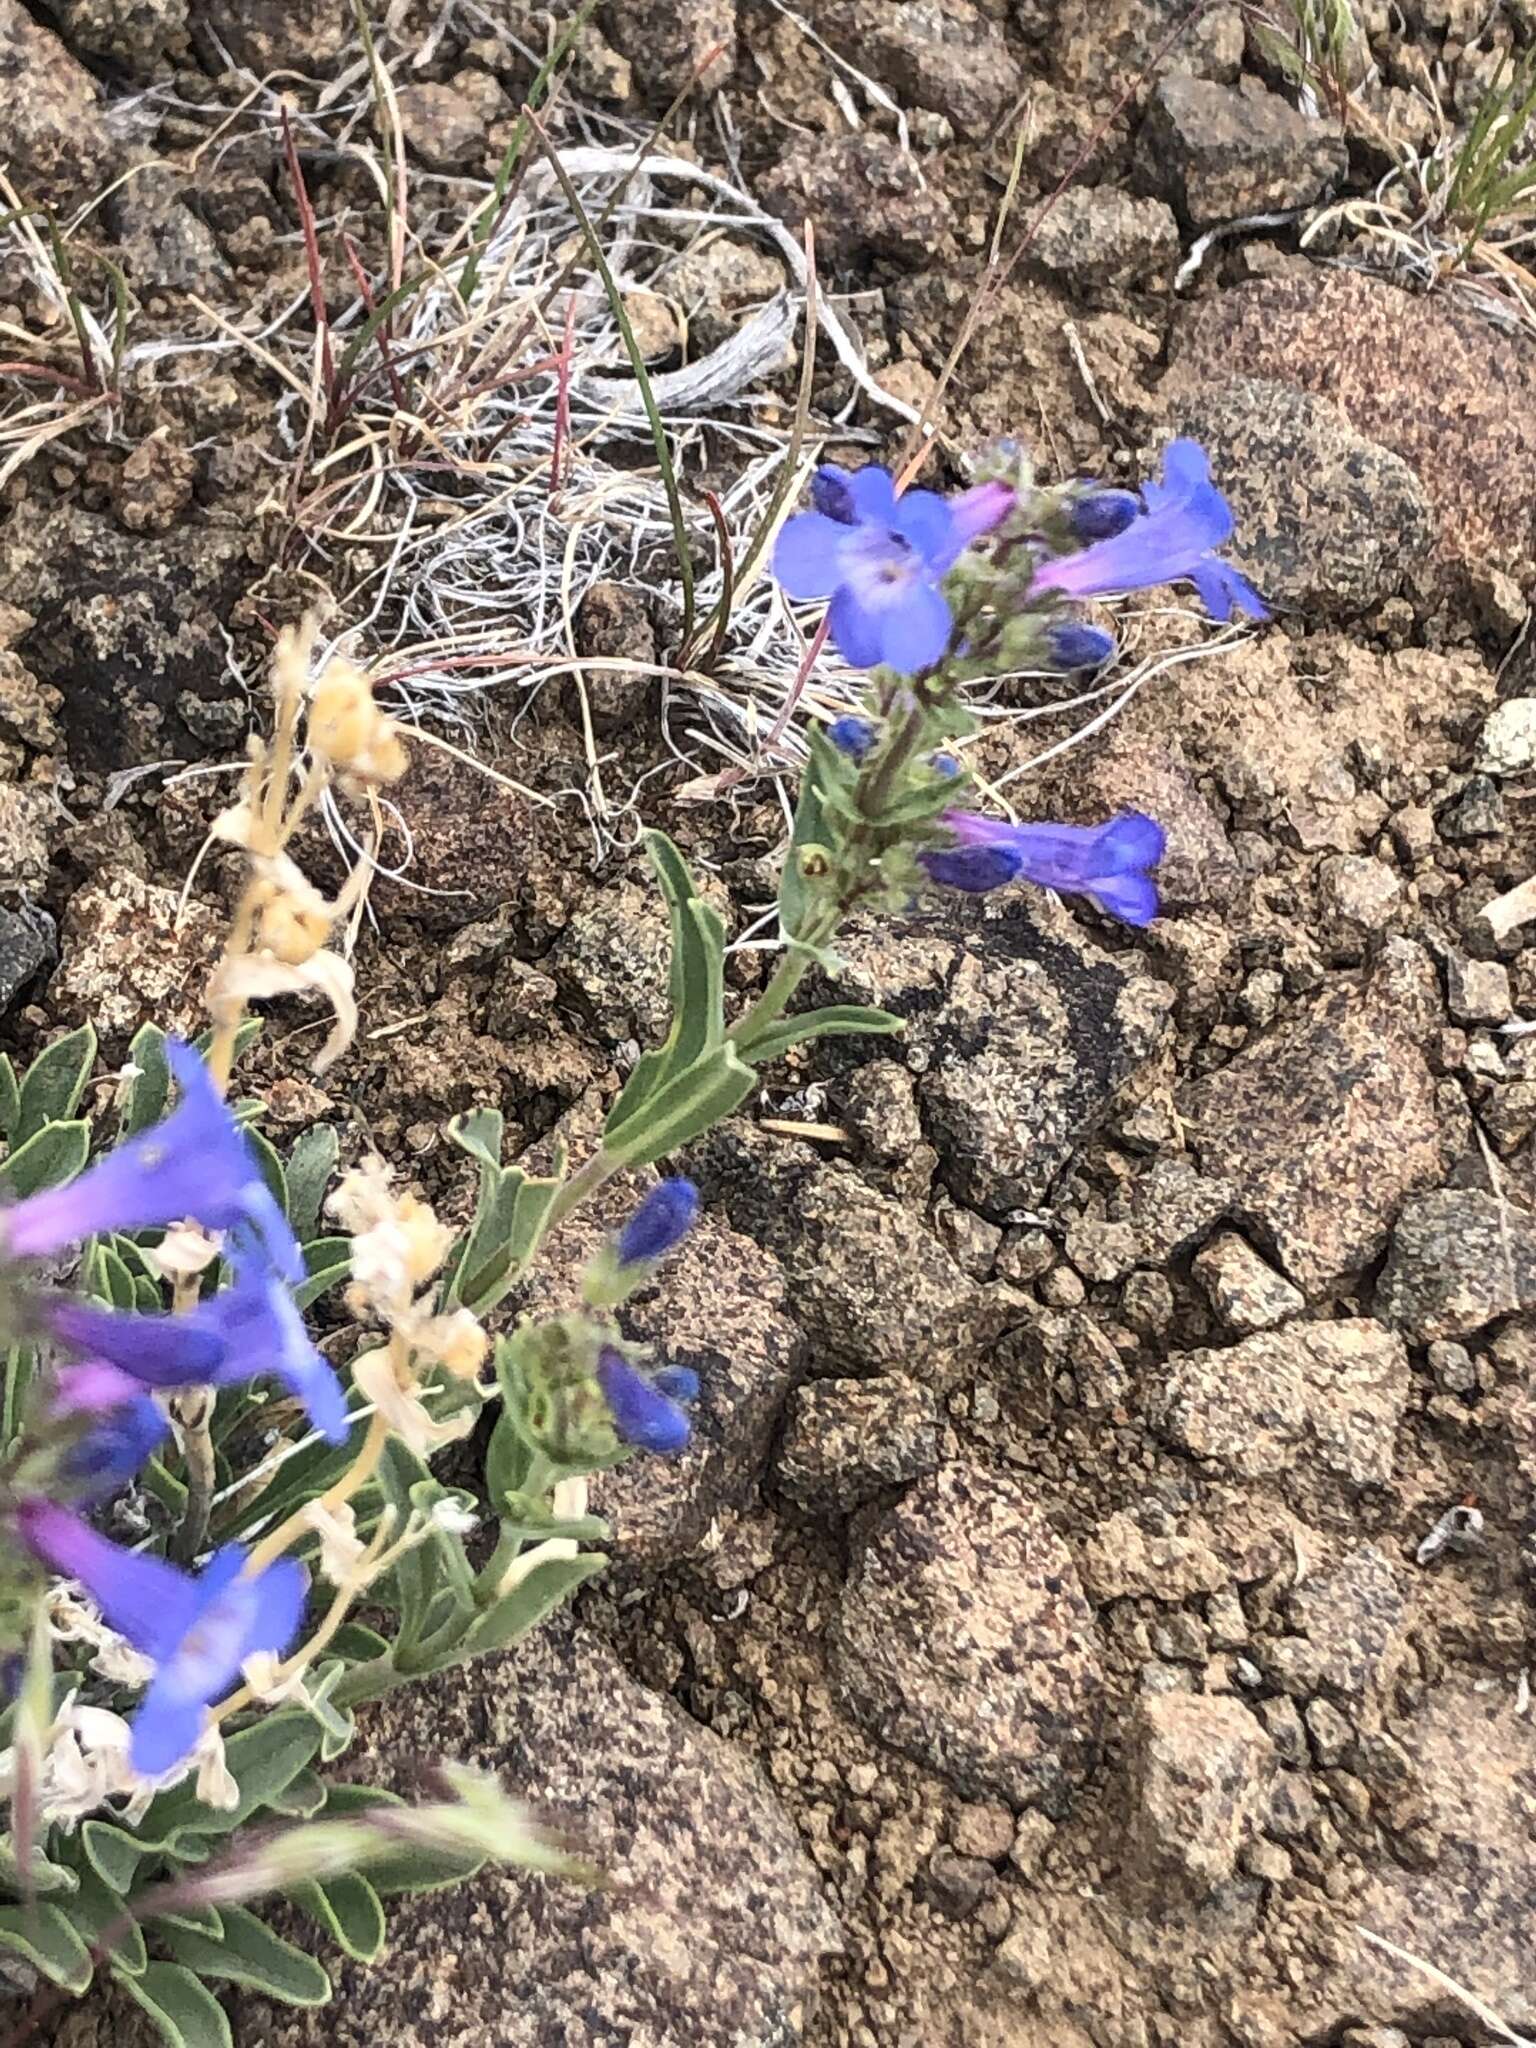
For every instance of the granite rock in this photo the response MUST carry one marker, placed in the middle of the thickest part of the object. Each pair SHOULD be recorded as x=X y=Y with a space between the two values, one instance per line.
x=963 y=1639
x=1324 y=1127
x=712 y=1933
x=1217 y=153
x=1328 y=521
x=1201 y=1769
x=1328 y=1394
x=847 y=1441
x=1459 y=1260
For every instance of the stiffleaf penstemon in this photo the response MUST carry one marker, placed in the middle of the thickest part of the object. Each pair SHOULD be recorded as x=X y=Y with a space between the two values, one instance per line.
x=220 y=1663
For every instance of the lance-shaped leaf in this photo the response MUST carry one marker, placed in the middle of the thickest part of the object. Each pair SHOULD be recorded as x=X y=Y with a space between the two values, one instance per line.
x=55 y=1082
x=248 y=1952
x=696 y=989
x=839 y=1020
x=825 y=772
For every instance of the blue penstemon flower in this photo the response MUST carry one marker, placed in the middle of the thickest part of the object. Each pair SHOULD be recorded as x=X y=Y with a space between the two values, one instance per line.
x=881 y=560
x=195 y=1163
x=1109 y=863
x=197 y=1631
x=122 y=1426
x=1186 y=519
x=247 y=1331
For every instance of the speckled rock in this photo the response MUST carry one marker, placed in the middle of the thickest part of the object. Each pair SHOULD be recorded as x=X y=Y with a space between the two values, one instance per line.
x=944 y=55
x=1216 y=153
x=713 y=1933
x=1459 y=1259
x=611 y=961
x=127 y=960
x=865 y=197
x=56 y=144
x=667 y=40
x=264 y=34
x=1174 y=1206
x=1348 y=1624
x=1102 y=54
x=26 y=810
x=1324 y=1393
x=1098 y=235
x=1024 y=1029
x=847 y=1441
x=124 y=630
x=718 y=1307
x=963 y=1639
x=1467 y=1908
x=448 y=124
x=1201 y=1769
x=1121 y=1560
x=28 y=943
x=129 y=34
x=1324 y=1127
x=873 y=1287
x=1427 y=377
x=1245 y=1290
x=1359 y=898
x=1327 y=520
x=162 y=244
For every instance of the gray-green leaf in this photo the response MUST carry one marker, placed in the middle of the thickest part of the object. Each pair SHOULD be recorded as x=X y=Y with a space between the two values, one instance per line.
x=55 y=1082
x=184 y=2010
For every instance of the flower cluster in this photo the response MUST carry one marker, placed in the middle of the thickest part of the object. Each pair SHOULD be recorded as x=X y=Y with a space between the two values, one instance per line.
x=928 y=594
x=195 y=1630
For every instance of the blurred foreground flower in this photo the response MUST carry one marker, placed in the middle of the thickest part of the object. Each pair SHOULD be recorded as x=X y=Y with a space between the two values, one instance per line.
x=196 y=1631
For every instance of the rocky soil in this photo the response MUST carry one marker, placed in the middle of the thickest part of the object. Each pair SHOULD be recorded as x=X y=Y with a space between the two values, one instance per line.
x=1041 y=1646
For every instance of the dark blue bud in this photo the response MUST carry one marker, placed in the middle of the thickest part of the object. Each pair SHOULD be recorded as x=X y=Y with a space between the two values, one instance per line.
x=678 y=1382
x=115 y=1448
x=852 y=736
x=945 y=765
x=832 y=497
x=660 y=1223
x=1072 y=646
x=975 y=869
x=1103 y=514
x=642 y=1414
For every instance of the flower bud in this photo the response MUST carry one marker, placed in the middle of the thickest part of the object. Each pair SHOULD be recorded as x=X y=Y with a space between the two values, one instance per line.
x=660 y=1224
x=852 y=736
x=1074 y=646
x=1102 y=514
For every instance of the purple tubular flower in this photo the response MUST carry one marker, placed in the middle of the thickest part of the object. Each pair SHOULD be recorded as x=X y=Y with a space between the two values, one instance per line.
x=852 y=736
x=1186 y=518
x=881 y=560
x=1106 y=863
x=195 y=1163
x=196 y=1631
x=126 y=1429
x=643 y=1413
x=1072 y=646
x=663 y=1219
x=250 y=1329
x=1102 y=514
